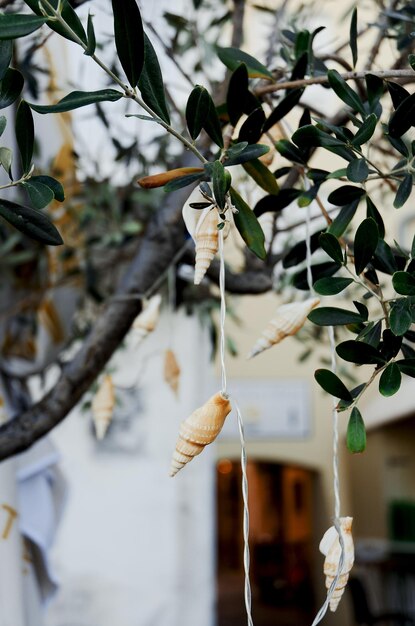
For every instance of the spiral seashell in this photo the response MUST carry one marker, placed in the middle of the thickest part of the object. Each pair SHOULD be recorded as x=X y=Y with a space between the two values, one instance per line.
x=103 y=406
x=202 y=225
x=330 y=547
x=3 y=417
x=171 y=371
x=288 y=320
x=198 y=430
x=147 y=320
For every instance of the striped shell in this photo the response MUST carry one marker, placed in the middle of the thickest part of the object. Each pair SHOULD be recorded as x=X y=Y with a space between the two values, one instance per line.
x=171 y=371
x=147 y=320
x=103 y=406
x=330 y=547
x=288 y=320
x=202 y=225
x=198 y=430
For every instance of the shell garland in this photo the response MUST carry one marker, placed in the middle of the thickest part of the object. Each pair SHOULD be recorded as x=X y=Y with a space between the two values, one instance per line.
x=103 y=406
x=147 y=320
x=330 y=547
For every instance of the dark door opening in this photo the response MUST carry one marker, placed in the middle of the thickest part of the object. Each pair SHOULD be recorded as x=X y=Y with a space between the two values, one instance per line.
x=280 y=502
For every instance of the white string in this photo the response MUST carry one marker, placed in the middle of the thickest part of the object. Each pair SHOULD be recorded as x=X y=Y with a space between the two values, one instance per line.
x=245 y=525
x=335 y=425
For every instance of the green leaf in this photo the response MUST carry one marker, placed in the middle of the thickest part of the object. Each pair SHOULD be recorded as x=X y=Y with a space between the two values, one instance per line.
x=151 y=83
x=182 y=181
x=14 y=25
x=30 y=222
x=6 y=51
x=77 y=99
x=332 y=316
x=298 y=252
x=331 y=246
x=239 y=99
x=276 y=203
x=92 y=42
x=383 y=258
x=413 y=248
x=25 y=136
x=331 y=286
x=318 y=270
x=283 y=108
x=40 y=195
x=53 y=184
x=212 y=124
x=403 y=118
x=10 y=87
x=251 y=129
x=129 y=38
x=400 y=317
x=332 y=384
x=358 y=352
x=344 y=92
x=289 y=151
x=407 y=366
x=6 y=158
x=366 y=130
x=365 y=242
x=343 y=219
x=232 y=57
x=390 y=380
x=196 y=110
x=375 y=88
x=68 y=15
x=219 y=183
x=345 y=194
x=404 y=283
x=356 y=433
x=248 y=226
x=353 y=36
x=372 y=211
x=357 y=170
x=248 y=154
x=262 y=176
x=404 y=191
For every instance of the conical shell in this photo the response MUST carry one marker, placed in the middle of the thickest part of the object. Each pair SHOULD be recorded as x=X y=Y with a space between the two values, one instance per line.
x=288 y=320
x=146 y=322
x=171 y=370
x=3 y=416
x=198 y=430
x=103 y=406
x=202 y=225
x=330 y=547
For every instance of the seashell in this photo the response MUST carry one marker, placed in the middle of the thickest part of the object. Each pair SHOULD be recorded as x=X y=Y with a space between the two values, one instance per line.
x=3 y=417
x=330 y=547
x=171 y=370
x=198 y=430
x=147 y=320
x=103 y=406
x=202 y=225
x=288 y=320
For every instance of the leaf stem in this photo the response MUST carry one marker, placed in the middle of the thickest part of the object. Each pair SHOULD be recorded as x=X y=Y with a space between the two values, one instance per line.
x=128 y=91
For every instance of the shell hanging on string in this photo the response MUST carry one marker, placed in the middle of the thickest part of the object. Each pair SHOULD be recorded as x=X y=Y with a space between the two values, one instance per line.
x=198 y=430
x=147 y=320
x=103 y=406
x=202 y=225
x=171 y=371
x=330 y=547
x=288 y=320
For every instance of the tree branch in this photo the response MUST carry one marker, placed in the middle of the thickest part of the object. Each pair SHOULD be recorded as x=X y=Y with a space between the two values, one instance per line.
x=319 y=80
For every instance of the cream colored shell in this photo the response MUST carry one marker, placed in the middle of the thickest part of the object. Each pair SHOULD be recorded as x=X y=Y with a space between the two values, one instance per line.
x=147 y=320
x=202 y=225
x=198 y=430
x=330 y=547
x=288 y=320
x=103 y=406
x=171 y=371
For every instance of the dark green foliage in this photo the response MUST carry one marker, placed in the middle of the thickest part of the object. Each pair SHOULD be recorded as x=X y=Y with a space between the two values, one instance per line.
x=30 y=222
x=318 y=270
x=92 y=43
x=356 y=433
x=67 y=13
x=275 y=203
x=6 y=51
x=10 y=87
x=197 y=108
x=239 y=99
x=331 y=286
x=129 y=38
x=390 y=380
x=345 y=92
x=40 y=195
x=331 y=246
x=248 y=225
x=357 y=170
x=332 y=384
x=14 y=25
x=221 y=183
x=345 y=194
x=289 y=151
x=365 y=243
x=232 y=58
x=248 y=154
x=285 y=106
x=372 y=211
x=403 y=118
x=25 y=134
x=343 y=219
x=252 y=128
x=404 y=191
x=400 y=317
x=353 y=36
x=333 y=316
x=358 y=352
x=262 y=176
x=151 y=83
x=404 y=283
x=53 y=184
x=78 y=99
x=183 y=181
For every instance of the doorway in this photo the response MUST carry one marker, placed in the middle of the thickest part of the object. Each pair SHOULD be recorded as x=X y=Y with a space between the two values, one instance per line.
x=280 y=503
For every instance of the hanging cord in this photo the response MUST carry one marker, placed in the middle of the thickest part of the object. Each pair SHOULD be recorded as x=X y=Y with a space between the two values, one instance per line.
x=246 y=558
x=335 y=425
